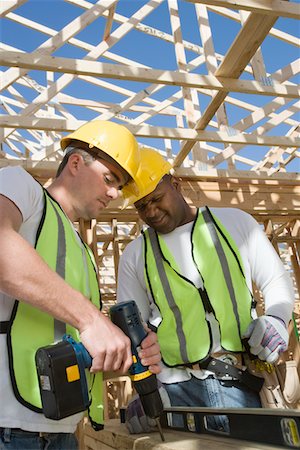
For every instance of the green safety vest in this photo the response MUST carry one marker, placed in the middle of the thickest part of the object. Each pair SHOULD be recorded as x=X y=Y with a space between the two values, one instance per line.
x=30 y=328
x=184 y=334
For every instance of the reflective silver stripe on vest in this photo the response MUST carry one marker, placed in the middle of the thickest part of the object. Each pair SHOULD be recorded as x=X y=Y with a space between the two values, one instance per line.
x=87 y=278
x=168 y=294
x=223 y=260
x=60 y=327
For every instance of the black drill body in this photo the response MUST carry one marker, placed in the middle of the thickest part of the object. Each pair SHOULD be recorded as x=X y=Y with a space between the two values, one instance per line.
x=127 y=317
x=61 y=370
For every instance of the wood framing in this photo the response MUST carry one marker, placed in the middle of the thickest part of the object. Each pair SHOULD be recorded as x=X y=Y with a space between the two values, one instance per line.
x=211 y=84
x=35 y=114
x=222 y=107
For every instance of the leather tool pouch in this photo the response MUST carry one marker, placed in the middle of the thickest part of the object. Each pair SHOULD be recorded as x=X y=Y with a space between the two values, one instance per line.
x=281 y=388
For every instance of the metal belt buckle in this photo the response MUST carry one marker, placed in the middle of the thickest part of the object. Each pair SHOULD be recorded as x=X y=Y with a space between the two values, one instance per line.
x=230 y=358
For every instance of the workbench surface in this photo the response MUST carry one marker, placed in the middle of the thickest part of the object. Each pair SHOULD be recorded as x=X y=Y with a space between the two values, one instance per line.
x=116 y=436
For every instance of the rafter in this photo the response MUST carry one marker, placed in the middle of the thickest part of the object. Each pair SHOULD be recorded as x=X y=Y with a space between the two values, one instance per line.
x=270 y=7
x=93 y=68
x=243 y=48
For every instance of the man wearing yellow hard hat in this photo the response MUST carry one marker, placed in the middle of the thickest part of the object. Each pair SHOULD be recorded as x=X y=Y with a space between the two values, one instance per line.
x=49 y=285
x=191 y=273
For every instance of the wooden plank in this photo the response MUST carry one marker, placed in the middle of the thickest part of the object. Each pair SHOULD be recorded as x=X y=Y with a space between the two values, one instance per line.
x=257 y=62
x=9 y=5
x=270 y=7
x=44 y=170
x=60 y=38
x=109 y=22
x=95 y=53
x=274 y=32
x=243 y=48
x=273 y=122
x=190 y=97
x=37 y=123
x=211 y=62
x=47 y=47
x=121 y=72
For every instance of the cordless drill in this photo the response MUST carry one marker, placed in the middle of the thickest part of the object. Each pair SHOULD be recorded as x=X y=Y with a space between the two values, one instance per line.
x=61 y=370
x=127 y=317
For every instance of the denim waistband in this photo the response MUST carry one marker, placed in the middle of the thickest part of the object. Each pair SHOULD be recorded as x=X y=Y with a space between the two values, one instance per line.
x=23 y=433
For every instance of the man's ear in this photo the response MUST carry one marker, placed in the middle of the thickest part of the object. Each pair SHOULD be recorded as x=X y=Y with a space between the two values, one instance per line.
x=176 y=183
x=74 y=162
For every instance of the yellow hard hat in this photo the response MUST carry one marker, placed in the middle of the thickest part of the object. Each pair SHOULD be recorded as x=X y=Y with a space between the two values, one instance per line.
x=113 y=139
x=152 y=168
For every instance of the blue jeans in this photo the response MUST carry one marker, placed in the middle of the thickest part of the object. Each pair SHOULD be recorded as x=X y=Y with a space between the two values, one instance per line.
x=16 y=439
x=211 y=393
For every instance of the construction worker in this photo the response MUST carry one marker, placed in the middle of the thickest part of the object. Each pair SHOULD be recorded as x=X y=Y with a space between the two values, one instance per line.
x=48 y=281
x=191 y=273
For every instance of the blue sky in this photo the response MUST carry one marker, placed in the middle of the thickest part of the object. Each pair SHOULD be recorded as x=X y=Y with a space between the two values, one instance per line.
x=147 y=50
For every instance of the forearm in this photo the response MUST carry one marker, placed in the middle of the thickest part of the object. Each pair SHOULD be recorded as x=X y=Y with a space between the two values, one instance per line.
x=270 y=277
x=25 y=276
x=279 y=299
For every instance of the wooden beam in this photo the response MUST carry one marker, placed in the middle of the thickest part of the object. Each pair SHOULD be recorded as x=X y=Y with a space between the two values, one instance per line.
x=47 y=169
x=276 y=120
x=9 y=5
x=280 y=8
x=94 y=54
x=109 y=22
x=121 y=72
x=149 y=131
x=59 y=39
x=250 y=37
x=189 y=95
x=274 y=32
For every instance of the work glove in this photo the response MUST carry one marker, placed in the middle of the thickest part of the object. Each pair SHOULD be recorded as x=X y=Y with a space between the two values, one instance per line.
x=136 y=420
x=268 y=337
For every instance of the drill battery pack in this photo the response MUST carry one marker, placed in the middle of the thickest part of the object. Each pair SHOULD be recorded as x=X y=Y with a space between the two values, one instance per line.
x=62 y=381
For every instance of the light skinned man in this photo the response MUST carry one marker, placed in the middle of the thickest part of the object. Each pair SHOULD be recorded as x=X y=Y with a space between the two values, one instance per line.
x=48 y=280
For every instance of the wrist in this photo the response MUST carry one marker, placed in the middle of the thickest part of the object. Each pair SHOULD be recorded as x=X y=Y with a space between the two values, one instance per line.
x=85 y=314
x=278 y=318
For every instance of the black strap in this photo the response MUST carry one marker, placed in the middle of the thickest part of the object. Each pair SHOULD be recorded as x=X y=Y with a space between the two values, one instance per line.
x=4 y=327
x=222 y=369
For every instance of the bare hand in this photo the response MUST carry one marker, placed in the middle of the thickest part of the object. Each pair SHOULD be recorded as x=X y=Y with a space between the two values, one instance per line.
x=108 y=346
x=150 y=352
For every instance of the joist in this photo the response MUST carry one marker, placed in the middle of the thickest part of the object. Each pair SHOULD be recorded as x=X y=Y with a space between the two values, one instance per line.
x=118 y=71
x=9 y=5
x=153 y=132
x=270 y=7
x=241 y=51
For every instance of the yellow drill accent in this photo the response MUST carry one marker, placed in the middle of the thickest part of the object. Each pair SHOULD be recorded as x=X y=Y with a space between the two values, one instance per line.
x=72 y=373
x=141 y=376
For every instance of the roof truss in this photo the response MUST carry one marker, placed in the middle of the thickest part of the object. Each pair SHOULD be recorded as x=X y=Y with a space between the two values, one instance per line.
x=201 y=111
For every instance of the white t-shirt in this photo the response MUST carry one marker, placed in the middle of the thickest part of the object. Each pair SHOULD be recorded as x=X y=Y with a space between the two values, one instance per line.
x=261 y=264
x=27 y=194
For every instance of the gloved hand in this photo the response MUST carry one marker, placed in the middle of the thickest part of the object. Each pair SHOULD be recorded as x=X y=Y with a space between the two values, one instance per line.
x=268 y=337
x=136 y=420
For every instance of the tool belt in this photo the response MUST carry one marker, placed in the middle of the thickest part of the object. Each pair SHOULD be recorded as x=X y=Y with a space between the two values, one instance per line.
x=231 y=370
x=281 y=387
